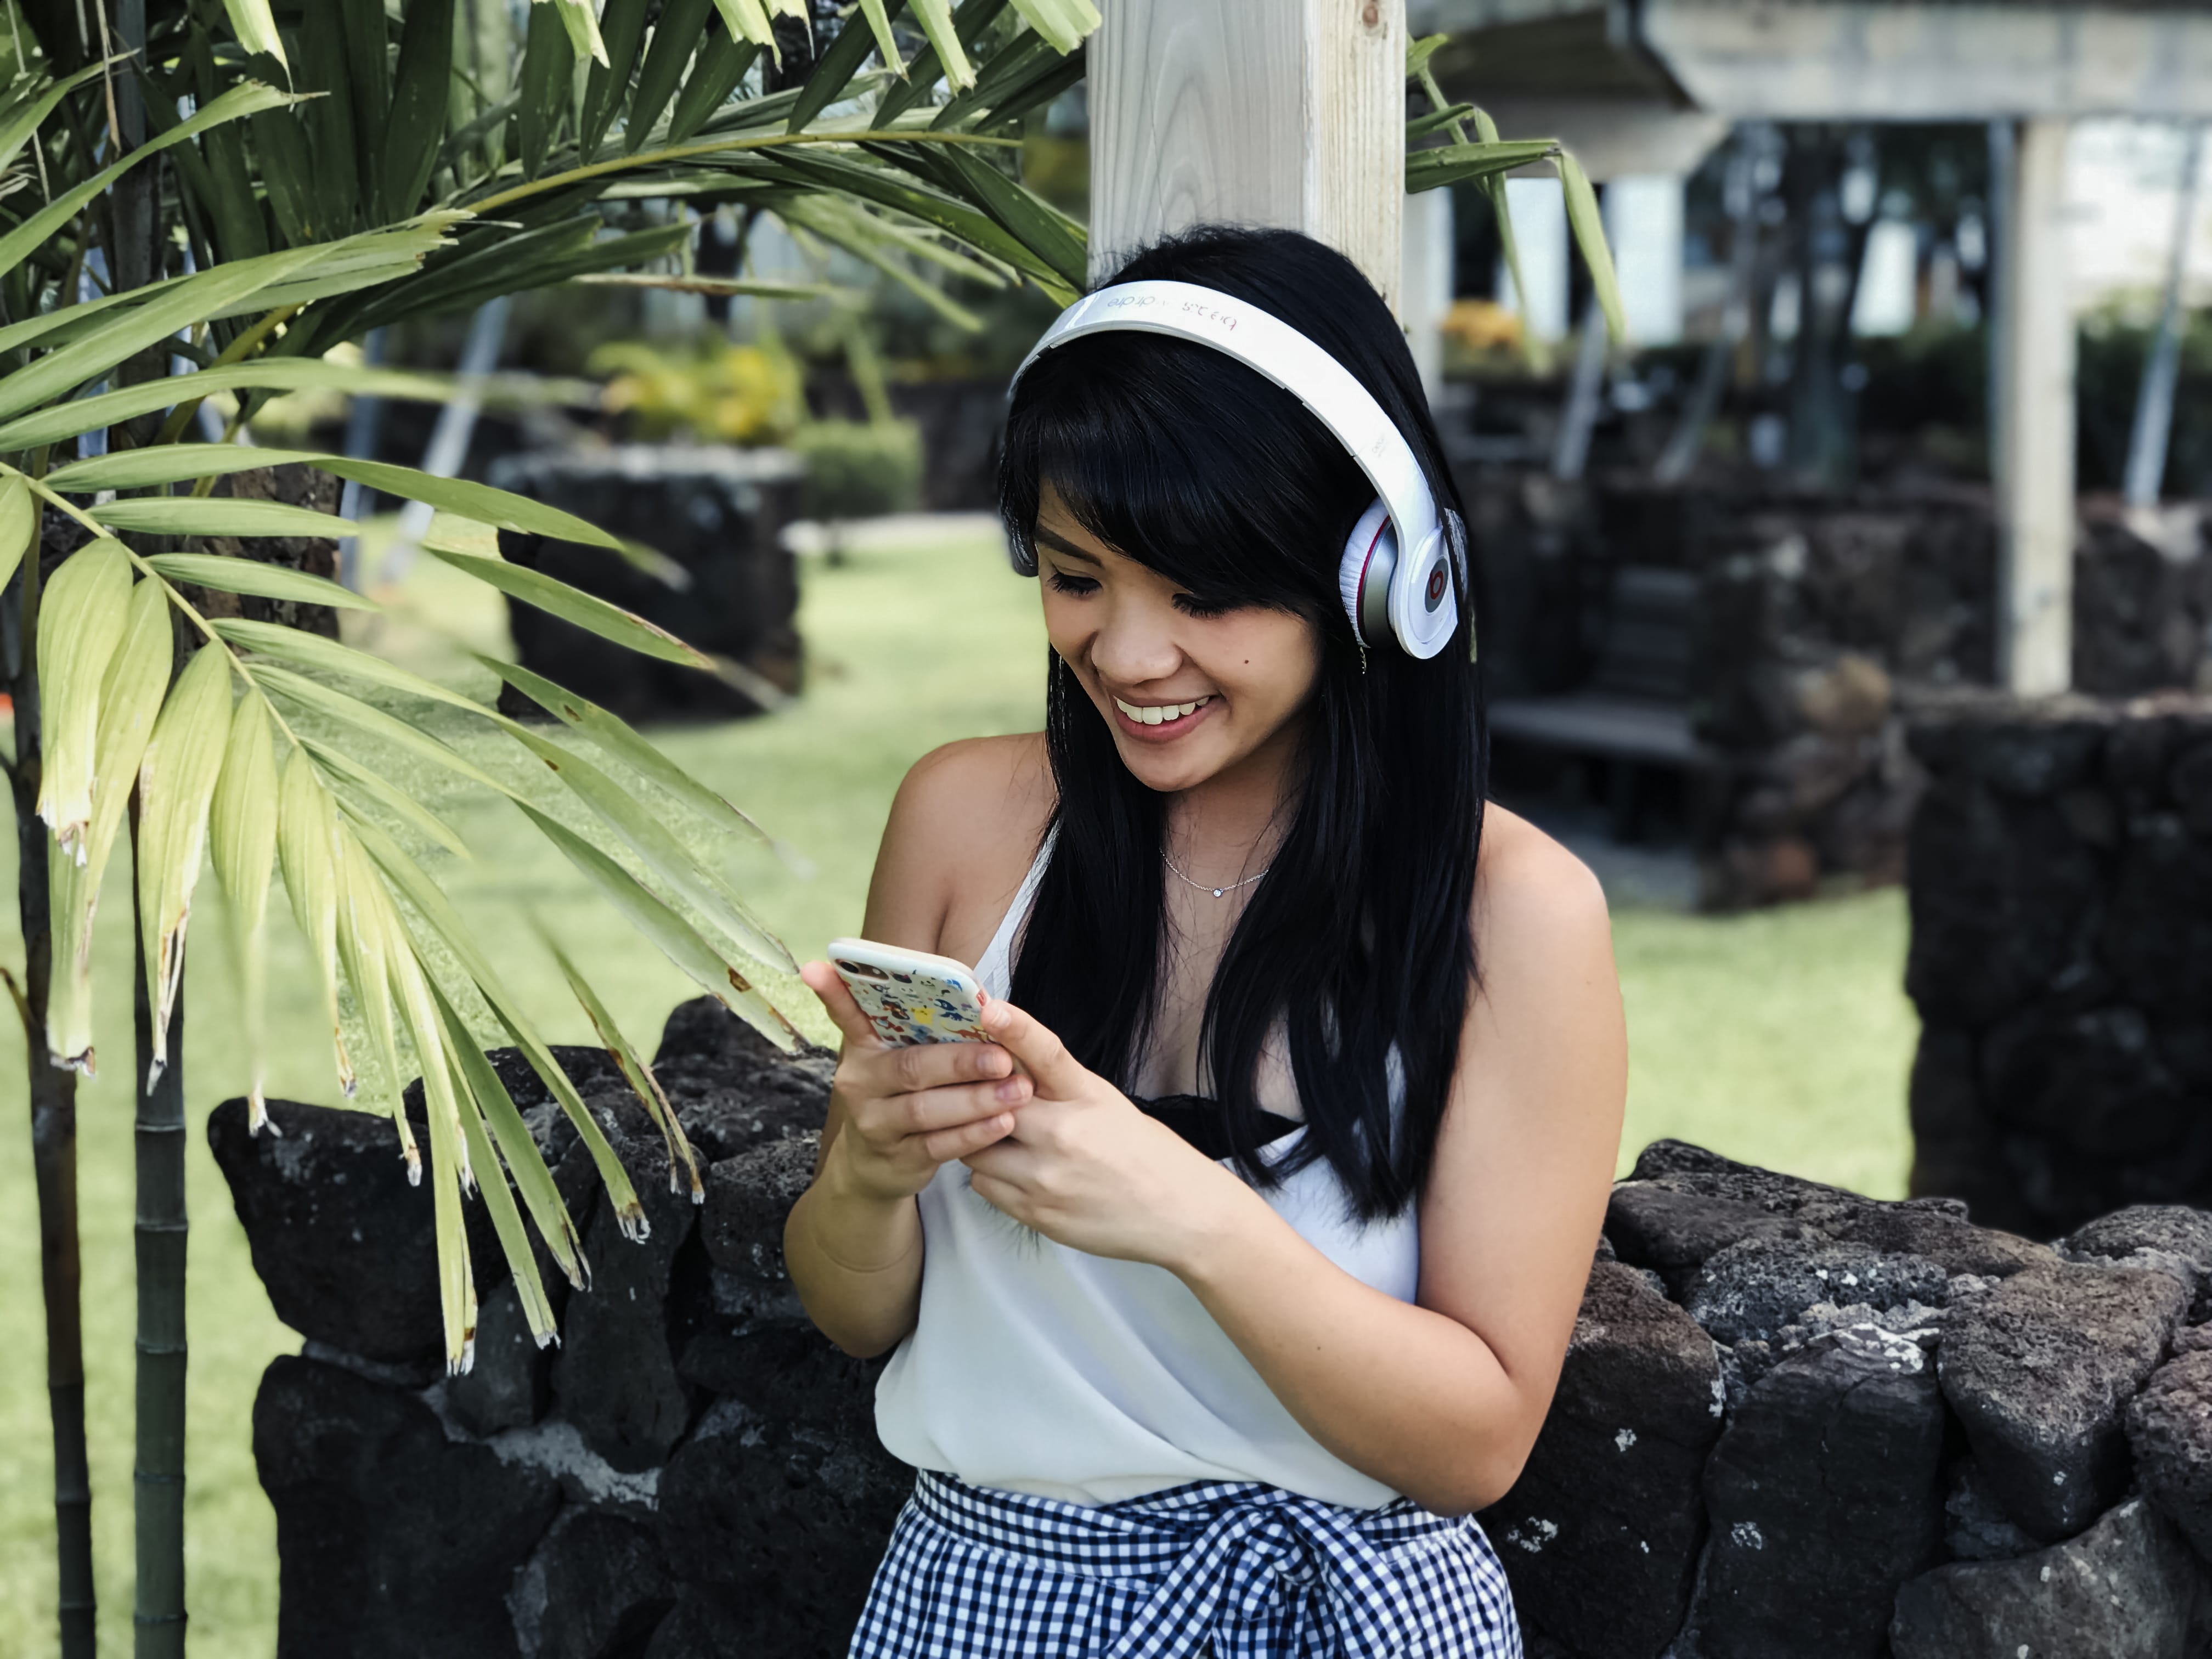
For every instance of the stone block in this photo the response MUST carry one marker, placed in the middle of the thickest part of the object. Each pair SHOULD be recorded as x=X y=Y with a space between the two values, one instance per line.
x=1752 y=1290
x=391 y=1538
x=1915 y=1228
x=2171 y=1236
x=508 y=1386
x=1975 y=1525
x=2126 y=1589
x=2190 y=783
x=615 y=1375
x=1825 y=1496
x=1599 y=1535
x=2094 y=1081
x=344 y=1246
x=2000 y=892
x=784 y=1489
x=748 y=1198
x=2170 y=1432
x=595 y=1589
x=2040 y=1372
x=711 y=1622
x=2157 y=931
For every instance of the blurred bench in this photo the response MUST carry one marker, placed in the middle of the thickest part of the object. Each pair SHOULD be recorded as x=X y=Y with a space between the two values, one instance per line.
x=1634 y=715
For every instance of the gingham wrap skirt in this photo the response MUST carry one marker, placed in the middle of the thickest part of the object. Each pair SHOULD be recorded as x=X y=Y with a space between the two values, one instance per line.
x=977 y=1573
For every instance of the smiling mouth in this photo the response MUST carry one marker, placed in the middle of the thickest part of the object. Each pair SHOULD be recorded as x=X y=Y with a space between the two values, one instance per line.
x=1161 y=714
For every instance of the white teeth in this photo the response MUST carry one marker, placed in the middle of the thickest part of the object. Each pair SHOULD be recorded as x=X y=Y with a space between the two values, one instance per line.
x=1160 y=713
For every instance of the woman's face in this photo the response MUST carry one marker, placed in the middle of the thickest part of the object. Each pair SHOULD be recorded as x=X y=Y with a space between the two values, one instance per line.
x=1189 y=692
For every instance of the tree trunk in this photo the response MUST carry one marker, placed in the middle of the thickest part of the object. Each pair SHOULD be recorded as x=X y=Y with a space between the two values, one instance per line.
x=53 y=1153
x=158 y=1476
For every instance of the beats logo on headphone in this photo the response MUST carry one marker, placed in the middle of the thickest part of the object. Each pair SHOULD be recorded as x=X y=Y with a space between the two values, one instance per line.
x=1396 y=575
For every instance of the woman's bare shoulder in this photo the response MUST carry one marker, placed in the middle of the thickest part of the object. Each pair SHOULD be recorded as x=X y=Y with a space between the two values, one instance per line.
x=989 y=784
x=962 y=829
x=1529 y=887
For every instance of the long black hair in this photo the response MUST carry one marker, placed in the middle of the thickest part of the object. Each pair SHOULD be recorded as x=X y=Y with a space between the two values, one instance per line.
x=1359 y=940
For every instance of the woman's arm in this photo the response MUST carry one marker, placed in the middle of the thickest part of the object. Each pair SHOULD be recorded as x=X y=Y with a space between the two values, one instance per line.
x=852 y=1242
x=1441 y=1401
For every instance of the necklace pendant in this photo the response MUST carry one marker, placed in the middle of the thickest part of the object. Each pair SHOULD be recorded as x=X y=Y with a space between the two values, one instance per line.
x=1216 y=892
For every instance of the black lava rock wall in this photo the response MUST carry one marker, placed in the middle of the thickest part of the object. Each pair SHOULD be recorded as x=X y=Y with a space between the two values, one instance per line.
x=1794 y=1423
x=2061 y=885
x=691 y=1474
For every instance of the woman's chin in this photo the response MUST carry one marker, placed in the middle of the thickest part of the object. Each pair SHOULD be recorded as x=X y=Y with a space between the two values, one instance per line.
x=1169 y=768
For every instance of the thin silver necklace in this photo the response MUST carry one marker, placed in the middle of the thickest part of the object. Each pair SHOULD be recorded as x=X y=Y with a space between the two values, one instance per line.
x=1218 y=892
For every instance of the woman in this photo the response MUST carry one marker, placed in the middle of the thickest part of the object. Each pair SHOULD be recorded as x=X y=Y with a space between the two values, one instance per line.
x=1247 y=1255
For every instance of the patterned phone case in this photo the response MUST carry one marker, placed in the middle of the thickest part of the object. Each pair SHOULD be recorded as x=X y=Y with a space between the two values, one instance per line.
x=910 y=997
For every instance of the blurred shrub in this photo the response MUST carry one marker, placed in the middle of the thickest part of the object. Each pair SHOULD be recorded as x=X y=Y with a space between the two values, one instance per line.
x=858 y=468
x=725 y=392
x=2109 y=367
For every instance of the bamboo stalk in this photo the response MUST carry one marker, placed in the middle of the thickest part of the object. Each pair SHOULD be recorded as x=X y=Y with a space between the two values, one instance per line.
x=158 y=1475
x=54 y=1159
x=158 y=1469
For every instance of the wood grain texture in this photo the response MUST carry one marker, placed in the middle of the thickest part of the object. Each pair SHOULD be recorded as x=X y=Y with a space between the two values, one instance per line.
x=2035 y=430
x=1286 y=112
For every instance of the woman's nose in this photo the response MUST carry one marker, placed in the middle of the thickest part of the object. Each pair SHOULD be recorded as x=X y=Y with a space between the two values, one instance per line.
x=1135 y=644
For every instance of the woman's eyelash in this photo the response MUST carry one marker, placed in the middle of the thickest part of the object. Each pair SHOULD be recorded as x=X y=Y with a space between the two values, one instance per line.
x=1200 y=609
x=1078 y=586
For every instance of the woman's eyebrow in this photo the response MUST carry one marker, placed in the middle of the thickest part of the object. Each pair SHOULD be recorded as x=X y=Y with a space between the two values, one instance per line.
x=1065 y=548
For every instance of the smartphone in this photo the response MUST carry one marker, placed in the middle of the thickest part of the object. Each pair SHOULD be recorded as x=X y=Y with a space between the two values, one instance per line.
x=910 y=996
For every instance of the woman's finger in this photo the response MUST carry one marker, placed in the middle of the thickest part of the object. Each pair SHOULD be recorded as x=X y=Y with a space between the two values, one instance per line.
x=836 y=996
x=913 y=1067
x=926 y=1111
x=1059 y=1075
x=947 y=1144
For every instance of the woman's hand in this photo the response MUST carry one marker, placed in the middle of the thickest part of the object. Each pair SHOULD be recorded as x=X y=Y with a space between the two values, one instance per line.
x=1088 y=1170
x=907 y=1111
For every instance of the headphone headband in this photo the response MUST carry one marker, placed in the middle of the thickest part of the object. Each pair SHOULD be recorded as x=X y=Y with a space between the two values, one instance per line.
x=1263 y=342
x=1421 y=617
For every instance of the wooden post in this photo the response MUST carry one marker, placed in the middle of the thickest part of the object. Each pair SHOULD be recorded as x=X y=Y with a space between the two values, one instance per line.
x=1287 y=112
x=2033 y=445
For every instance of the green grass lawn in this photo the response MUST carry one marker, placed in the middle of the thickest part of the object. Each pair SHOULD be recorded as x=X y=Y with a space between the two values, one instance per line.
x=1781 y=1038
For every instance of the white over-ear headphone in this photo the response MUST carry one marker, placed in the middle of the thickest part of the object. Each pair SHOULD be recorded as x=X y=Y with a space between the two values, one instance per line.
x=1388 y=592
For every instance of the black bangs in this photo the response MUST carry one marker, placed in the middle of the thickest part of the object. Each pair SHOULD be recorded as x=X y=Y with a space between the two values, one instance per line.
x=1188 y=462
x=1357 y=949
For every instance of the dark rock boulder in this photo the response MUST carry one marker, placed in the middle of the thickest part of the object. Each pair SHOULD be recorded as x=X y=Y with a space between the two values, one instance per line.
x=1682 y=1203
x=732 y=1088
x=391 y=1538
x=2157 y=933
x=615 y=1377
x=1999 y=891
x=596 y=1589
x=2039 y=1370
x=711 y=1622
x=2170 y=1432
x=1975 y=1525
x=2126 y=1589
x=783 y=1491
x=748 y=1197
x=1929 y=1230
x=1599 y=1535
x=2091 y=1080
x=1824 y=1494
x=1672 y=1231
x=1752 y=1290
x=2172 y=1237
x=507 y=1386
x=344 y=1246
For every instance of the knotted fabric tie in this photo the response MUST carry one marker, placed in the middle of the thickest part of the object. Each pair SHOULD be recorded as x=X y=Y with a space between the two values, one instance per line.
x=1265 y=1573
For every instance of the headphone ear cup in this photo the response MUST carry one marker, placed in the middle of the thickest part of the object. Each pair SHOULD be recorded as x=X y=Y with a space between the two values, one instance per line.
x=1363 y=576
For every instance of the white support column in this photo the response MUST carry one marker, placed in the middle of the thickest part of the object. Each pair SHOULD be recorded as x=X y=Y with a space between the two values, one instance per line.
x=1287 y=112
x=1426 y=284
x=2033 y=445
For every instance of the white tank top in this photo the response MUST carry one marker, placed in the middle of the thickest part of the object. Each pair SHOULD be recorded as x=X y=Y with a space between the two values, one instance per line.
x=1041 y=1369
